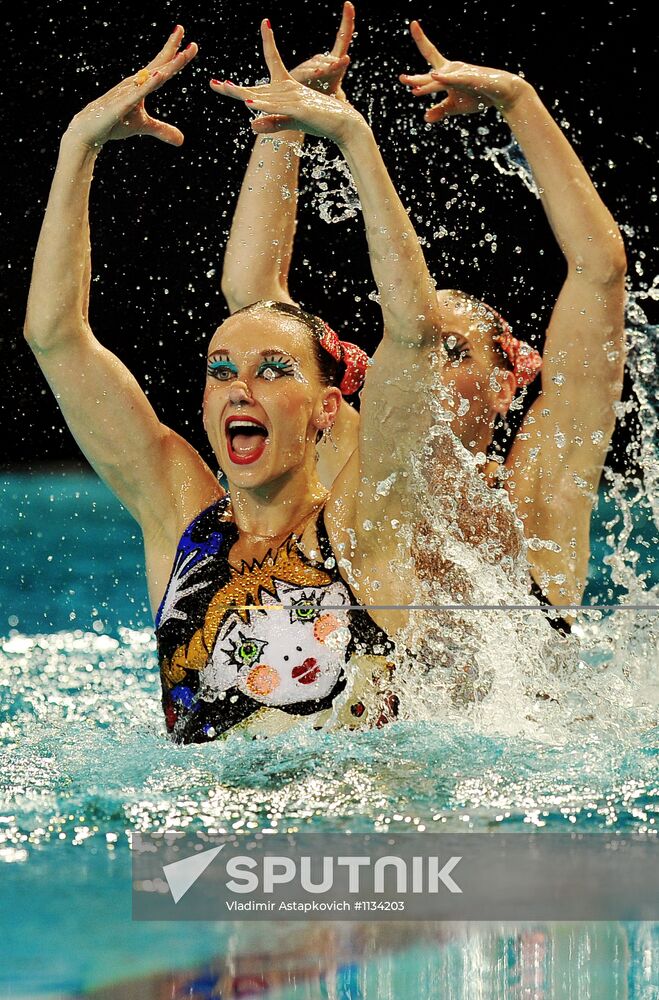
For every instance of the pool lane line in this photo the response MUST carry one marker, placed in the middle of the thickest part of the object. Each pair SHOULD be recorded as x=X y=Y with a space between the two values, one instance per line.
x=445 y=607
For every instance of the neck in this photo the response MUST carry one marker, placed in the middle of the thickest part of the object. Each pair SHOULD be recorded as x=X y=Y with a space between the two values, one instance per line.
x=476 y=440
x=275 y=509
x=492 y=474
x=481 y=441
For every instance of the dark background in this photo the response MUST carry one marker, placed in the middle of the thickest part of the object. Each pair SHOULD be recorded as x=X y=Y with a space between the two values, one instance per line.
x=160 y=215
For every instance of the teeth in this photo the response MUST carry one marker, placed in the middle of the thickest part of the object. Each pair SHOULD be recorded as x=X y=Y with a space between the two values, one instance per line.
x=244 y=423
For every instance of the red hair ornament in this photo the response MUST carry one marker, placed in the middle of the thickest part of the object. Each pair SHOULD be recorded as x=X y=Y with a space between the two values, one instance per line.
x=355 y=359
x=526 y=361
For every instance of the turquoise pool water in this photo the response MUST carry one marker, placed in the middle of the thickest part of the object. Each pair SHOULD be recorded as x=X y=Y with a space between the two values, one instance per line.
x=85 y=760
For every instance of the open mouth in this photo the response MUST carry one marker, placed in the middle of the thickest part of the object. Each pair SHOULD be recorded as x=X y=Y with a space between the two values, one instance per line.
x=246 y=439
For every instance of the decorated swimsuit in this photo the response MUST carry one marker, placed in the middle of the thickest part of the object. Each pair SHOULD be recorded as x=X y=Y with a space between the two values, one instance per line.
x=257 y=645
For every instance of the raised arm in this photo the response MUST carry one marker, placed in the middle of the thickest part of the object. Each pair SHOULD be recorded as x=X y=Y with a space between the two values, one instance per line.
x=557 y=458
x=258 y=254
x=566 y=434
x=407 y=293
x=104 y=407
x=397 y=401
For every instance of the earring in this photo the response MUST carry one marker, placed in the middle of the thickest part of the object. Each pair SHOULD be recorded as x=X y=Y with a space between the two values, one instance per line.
x=327 y=436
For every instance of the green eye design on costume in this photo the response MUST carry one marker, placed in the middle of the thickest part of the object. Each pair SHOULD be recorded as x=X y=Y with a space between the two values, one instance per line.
x=303 y=610
x=245 y=651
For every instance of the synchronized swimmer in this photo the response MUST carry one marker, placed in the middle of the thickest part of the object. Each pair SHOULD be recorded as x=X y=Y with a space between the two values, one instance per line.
x=273 y=602
x=553 y=466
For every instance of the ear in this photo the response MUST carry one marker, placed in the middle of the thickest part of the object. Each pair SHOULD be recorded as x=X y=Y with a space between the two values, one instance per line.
x=504 y=396
x=328 y=408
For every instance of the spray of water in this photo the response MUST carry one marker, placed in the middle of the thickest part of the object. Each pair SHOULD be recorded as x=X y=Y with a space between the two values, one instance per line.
x=509 y=671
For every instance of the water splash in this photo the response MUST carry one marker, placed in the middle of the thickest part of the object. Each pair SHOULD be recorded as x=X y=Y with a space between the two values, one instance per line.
x=86 y=760
x=333 y=193
x=511 y=162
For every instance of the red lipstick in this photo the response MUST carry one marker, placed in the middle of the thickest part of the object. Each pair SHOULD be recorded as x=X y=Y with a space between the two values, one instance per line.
x=246 y=439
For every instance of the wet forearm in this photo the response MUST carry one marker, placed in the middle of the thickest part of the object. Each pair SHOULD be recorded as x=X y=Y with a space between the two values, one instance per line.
x=260 y=246
x=59 y=291
x=407 y=293
x=584 y=228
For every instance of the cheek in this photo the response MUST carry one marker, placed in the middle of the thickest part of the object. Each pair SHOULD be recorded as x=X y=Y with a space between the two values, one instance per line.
x=212 y=402
x=468 y=384
x=293 y=407
x=207 y=401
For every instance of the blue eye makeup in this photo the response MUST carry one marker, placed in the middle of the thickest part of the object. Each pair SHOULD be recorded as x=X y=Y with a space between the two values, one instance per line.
x=275 y=366
x=221 y=369
x=272 y=367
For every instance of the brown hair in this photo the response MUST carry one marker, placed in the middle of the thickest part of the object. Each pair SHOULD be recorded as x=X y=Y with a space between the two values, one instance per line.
x=331 y=370
x=488 y=313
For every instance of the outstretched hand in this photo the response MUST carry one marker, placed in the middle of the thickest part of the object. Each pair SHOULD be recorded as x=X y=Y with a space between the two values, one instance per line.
x=326 y=72
x=468 y=88
x=121 y=113
x=287 y=105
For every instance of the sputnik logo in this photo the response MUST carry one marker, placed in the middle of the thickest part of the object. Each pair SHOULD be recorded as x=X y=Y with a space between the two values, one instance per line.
x=182 y=875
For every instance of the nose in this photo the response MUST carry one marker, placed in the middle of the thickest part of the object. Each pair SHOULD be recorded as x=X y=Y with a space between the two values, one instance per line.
x=239 y=394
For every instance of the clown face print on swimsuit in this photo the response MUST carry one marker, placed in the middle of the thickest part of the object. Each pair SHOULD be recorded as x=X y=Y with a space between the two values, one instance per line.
x=286 y=650
x=271 y=634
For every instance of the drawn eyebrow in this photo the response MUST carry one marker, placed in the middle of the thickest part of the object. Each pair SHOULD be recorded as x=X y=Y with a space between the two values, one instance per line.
x=224 y=352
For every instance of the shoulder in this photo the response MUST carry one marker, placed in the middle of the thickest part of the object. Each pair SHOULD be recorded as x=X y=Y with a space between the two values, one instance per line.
x=187 y=491
x=188 y=487
x=345 y=434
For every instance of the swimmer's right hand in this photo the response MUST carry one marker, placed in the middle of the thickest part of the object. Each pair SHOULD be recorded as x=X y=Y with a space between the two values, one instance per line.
x=326 y=72
x=468 y=88
x=120 y=112
x=290 y=106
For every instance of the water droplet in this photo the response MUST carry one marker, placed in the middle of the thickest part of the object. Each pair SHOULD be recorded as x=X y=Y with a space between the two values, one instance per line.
x=536 y=544
x=383 y=488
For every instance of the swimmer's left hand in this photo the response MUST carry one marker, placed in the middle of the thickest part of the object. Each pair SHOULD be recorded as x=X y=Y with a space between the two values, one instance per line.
x=120 y=113
x=469 y=88
x=326 y=72
x=287 y=105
